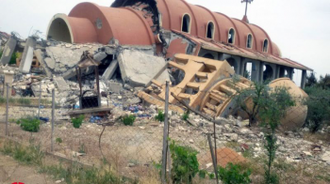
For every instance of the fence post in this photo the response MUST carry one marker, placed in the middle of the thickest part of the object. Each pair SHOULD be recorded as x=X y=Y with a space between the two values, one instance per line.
x=165 y=135
x=7 y=108
x=39 y=100
x=53 y=117
x=213 y=157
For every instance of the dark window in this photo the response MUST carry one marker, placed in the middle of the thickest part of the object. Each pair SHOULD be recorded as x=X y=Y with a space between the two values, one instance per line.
x=265 y=47
x=186 y=23
x=210 y=30
x=249 y=41
x=231 y=36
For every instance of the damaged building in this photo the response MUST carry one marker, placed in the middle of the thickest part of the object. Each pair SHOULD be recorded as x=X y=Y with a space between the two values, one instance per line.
x=172 y=26
x=144 y=42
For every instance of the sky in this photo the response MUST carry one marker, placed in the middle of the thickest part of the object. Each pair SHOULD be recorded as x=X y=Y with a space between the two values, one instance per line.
x=300 y=28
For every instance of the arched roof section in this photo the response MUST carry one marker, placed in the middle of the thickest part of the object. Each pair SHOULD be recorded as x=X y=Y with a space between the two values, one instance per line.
x=217 y=33
x=275 y=50
x=261 y=35
x=243 y=31
x=202 y=19
x=118 y=23
x=174 y=11
x=225 y=23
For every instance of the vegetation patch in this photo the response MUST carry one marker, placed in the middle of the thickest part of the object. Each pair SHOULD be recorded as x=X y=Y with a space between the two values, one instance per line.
x=29 y=124
x=160 y=116
x=128 y=120
x=77 y=121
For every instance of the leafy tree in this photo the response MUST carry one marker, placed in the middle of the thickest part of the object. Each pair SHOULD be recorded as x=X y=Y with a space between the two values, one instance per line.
x=234 y=174
x=272 y=109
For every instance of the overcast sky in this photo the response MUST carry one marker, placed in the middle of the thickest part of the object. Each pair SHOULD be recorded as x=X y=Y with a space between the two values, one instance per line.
x=300 y=28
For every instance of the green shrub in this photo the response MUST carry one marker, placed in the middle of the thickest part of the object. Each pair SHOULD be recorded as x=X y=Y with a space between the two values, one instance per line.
x=160 y=116
x=128 y=120
x=77 y=121
x=185 y=116
x=234 y=174
x=318 y=104
x=185 y=164
x=29 y=124
x=12 y=100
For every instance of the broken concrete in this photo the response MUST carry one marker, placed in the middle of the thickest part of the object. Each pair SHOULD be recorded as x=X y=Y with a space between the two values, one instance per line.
x=138 y=68
x=40 y=57
x=110 y=71
x=61 y=84
x=9 y=50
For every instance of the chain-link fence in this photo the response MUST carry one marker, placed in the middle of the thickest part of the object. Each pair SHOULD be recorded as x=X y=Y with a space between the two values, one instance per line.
x=143 y=151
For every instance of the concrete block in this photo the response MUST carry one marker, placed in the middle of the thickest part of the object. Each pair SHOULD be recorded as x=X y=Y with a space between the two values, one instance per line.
x=138 y=68
x=27 y=55
x=100 y=56
x=8 y=51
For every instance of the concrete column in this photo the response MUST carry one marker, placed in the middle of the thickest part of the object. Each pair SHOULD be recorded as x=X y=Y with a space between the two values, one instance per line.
x=9 y=50
x=277 y=72
x=9 y=76
x=290 y=70
x=255 y=73
x=303 y=78
x=239 y=66
x=261 y=71
x=27 y=55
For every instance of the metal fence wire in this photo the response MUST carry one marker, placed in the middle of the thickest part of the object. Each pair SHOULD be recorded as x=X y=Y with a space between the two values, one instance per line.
x=141 y=151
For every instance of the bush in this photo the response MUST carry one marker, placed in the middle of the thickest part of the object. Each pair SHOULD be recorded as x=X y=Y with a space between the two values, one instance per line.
x=128 y=120
x=29 y=124
x=2 y=100
x=318 y=104
x=160 y=116
x=185 y=164
x=234 y=174
x=77 y=121
x=58 y=140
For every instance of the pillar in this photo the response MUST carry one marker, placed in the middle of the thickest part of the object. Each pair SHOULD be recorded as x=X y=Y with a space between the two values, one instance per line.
x=9 y=50
x=27 y=55
x=303 y=79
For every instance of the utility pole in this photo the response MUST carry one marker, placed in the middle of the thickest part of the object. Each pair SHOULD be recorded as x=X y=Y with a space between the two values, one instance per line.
x=246 y=4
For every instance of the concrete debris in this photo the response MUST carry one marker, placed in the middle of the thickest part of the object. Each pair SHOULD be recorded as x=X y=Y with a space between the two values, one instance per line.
x=8 y=50
x=138 y=68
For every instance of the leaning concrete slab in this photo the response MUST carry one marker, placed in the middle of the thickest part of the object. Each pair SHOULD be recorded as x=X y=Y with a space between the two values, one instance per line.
x=9 y=50
x=110 y=70
x=61 y=84
x=40 y=57
x=27 y=56
x=138 y=68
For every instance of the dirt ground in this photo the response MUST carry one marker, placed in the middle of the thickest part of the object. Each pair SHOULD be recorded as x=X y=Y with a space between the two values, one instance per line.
x=11 y=171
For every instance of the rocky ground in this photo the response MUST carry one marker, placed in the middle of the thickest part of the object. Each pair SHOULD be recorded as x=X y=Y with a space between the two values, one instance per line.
x=133 y=150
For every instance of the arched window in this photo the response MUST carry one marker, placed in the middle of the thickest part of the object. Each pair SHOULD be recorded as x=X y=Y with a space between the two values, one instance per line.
x=249 y=41
x=210 y=30
x=265 y=46
x=185 y=23
x=231 y=36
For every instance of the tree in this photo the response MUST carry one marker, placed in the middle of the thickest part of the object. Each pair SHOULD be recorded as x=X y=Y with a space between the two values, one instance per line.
x=311 y=80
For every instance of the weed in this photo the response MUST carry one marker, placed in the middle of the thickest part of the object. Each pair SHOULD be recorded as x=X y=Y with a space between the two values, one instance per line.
x=82 y=148
x=12 y=100
x=77 y=121
x=128 y=120
x=58 y=140
x=28 y=155
x=2 y=100
x=75 y=174
x=185 y=116
x=24 y=101
x=29 y=124
x=185 y=164
x=234 y=174
x=160 y=116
